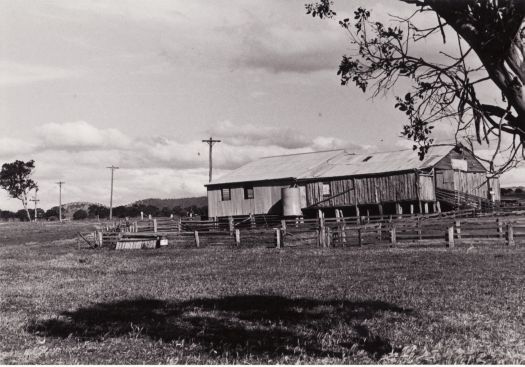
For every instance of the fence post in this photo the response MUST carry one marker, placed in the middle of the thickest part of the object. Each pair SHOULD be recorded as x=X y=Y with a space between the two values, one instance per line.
x=141 y=215
x=197 y=241
x=230 y=225
x=179 y=224
x=322 y=232
x=328 y=241
x=359 y=237
x=343 y=229
x=393 y=235
x=155 y=225
x=450 y=236
x=500 y=228
x=510 y=235
x=419 y=236
x=97 y=239
x=237 y=237
x=277 y=237
x=283 y=225
x=252 y=221
x=458 y=229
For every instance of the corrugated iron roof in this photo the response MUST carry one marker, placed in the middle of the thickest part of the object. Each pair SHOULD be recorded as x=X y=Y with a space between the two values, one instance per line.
x=383 y=162
x=278 y=167
x=334 y=163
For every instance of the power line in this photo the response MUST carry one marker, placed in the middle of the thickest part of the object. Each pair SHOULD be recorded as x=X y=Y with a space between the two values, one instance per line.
x=210 y=142
x=60 y=183
x=112 y=168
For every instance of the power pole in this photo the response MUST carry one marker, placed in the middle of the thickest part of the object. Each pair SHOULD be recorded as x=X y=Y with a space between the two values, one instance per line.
x=112 y=168
x=60 y=183
x=35 y=199
x=210 y=142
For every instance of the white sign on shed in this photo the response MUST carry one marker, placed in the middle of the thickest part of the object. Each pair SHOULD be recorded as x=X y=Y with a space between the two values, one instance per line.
x=459 y=164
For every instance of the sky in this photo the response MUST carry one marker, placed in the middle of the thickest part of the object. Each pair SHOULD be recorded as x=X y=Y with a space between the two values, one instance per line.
x=138 y=84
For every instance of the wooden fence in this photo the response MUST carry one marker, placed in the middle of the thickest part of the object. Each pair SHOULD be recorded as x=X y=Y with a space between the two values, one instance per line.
x=450 y=228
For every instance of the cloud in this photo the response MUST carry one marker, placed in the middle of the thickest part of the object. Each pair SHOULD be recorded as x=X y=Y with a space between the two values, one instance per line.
x=80 y=135
x=150 y=166
x=286 y=42
x=12 y=73
x=259 y=135
x=10 y=146
x=515 y=177
x=275 y=137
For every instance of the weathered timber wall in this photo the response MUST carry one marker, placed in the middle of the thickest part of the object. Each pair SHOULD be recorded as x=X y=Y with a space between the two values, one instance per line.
x=267 y=200
x=427 y=190
x=473 y=183
x=367 y=190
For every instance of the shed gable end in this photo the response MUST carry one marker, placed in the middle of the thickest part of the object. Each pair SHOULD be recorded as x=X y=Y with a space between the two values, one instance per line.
x=450 y=161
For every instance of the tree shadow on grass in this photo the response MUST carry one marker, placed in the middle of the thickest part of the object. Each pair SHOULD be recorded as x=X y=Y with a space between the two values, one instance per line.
x=254 y=325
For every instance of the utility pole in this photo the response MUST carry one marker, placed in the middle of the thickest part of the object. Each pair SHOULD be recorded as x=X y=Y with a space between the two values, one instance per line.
x=35 y=199
x=112 y=168
x=210 y=142
x=60 y=183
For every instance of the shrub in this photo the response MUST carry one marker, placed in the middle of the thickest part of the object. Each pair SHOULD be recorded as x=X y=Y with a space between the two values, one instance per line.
x=80 y=214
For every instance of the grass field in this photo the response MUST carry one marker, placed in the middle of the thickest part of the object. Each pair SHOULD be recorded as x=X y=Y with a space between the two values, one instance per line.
x=59 y=304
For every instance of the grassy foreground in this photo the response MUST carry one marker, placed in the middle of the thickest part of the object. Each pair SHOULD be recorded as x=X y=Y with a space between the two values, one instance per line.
x=59 y=304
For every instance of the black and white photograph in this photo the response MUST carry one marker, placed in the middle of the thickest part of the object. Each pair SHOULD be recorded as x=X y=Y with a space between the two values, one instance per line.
x=265 y=182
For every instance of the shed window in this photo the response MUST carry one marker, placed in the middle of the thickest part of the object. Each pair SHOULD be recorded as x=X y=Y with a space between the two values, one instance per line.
x=326 y=189
x=226 y=194
x=248 y=192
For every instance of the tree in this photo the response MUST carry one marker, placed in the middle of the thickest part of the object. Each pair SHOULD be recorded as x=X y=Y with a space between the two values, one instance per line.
x=120 y=211
x=15 y=178
x=52 y=213
x=39 y=211
x=7 y=214
x=80 y=214
x=165 y=212
x=22 y=215
x=489 y=42
x=178 y=211
x=96 y=210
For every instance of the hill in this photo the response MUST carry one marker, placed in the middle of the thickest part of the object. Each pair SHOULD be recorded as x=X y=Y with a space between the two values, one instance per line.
x=198 y=201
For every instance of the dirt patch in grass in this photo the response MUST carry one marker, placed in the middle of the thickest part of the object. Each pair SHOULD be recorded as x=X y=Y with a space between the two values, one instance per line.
x=59 y=304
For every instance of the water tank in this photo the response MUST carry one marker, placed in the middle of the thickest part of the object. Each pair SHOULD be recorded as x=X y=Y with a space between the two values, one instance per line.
x=291 y=201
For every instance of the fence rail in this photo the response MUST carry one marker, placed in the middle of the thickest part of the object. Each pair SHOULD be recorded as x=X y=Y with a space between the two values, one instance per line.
x=449 y=228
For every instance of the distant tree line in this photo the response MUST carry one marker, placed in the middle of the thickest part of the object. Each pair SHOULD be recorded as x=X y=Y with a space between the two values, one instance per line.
x=22 y=214
x=511 y=190
x=102 y=212
x=132 y=211
x=135 y=210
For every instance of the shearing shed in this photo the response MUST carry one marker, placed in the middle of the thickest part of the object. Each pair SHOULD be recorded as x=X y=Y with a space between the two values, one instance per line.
x=395 y=182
